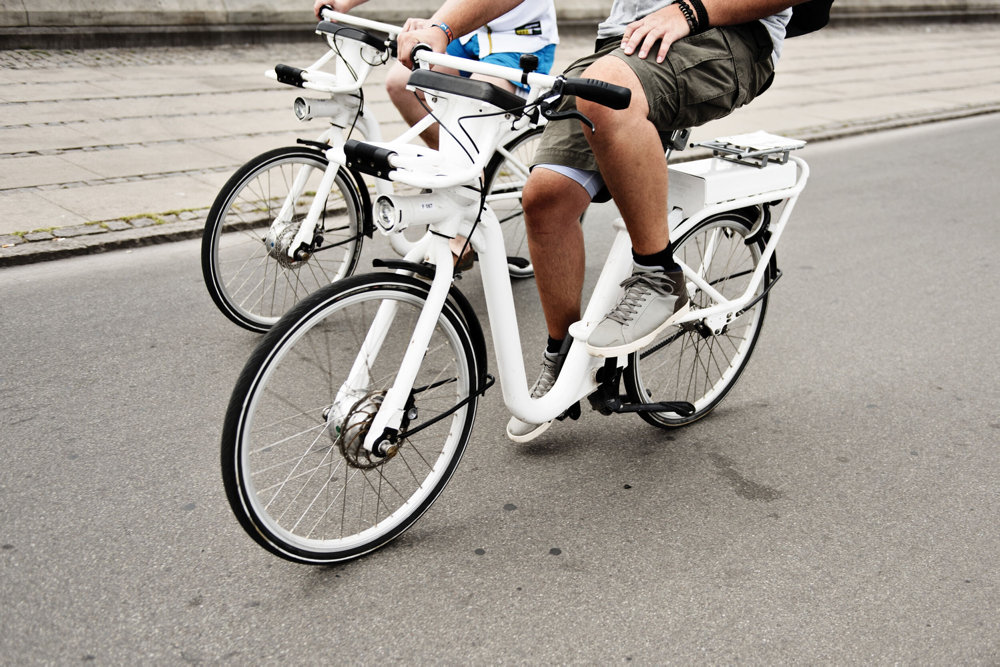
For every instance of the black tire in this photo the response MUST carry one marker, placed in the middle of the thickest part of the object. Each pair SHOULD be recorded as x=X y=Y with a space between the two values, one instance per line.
x=253 y=284
x=505 y=176
x=292 y=477
x=689 y=363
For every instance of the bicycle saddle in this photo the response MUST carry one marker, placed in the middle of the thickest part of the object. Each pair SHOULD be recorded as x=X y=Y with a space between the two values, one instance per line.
x=426 y=79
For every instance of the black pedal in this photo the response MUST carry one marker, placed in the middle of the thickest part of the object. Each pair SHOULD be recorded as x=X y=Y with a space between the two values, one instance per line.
x=608 y=399
x=573 y=412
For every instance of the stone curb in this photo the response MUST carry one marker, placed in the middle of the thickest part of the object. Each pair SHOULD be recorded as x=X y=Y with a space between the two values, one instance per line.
x=119 y=234
x=60 y=247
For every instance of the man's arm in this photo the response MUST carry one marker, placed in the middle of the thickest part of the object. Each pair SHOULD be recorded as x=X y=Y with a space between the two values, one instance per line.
x=730 y=12
x=461 y=16
x=668 y=24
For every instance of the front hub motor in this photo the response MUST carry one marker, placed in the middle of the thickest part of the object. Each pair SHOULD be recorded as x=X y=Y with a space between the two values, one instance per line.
x=352 y=430
x=279 y=239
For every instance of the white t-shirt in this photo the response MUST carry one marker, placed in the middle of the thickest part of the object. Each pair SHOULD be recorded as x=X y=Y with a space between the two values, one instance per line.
x=525 y=29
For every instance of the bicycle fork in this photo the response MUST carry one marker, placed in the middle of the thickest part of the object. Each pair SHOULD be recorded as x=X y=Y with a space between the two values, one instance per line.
x=383 y=431
x=332 y=143
x=304 y=238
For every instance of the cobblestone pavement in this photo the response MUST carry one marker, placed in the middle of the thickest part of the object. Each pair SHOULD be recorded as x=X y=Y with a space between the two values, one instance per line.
x=115 y=147
x=172 y=55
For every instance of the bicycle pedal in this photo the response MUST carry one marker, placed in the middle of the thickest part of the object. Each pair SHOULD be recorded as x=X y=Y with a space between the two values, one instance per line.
x=573 y=412
x=681 y=408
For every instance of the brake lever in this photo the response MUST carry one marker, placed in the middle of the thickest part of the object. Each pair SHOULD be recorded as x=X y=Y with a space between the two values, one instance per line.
x=552 y=114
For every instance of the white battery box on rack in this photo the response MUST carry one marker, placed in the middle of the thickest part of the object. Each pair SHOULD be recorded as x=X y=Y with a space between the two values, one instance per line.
x=742 y=166
x=694 y=185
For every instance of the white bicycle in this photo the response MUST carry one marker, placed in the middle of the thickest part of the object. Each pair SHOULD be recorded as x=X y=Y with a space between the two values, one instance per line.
x=354 y=411
x=294 y=219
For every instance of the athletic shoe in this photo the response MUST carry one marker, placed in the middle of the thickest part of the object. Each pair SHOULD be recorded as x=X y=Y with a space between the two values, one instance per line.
x=520 y=431
x=654 y=299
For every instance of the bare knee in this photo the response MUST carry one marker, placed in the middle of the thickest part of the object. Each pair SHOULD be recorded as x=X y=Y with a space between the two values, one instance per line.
x=614 y=70
x=551 y=201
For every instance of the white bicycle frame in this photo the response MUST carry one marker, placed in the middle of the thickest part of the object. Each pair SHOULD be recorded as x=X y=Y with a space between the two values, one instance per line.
x=452 y=208
x=354 y=62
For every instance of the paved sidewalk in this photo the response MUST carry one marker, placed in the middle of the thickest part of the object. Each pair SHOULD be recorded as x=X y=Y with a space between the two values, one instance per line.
x=110 y=148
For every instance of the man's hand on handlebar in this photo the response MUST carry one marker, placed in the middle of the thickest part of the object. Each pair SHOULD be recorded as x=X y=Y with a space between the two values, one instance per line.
x=416 y=24
x=430 y=35
x=342 y=6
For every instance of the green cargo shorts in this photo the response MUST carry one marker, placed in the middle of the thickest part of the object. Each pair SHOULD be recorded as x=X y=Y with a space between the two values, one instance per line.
x=704 y=77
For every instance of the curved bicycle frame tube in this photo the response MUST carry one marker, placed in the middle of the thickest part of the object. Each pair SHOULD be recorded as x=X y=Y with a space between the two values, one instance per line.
x=450 y=170
x=577 y=378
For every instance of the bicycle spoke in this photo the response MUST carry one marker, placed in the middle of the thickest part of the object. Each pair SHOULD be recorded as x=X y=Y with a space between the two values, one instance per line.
x=689 y=363
x=255 y=284
x=316 y=489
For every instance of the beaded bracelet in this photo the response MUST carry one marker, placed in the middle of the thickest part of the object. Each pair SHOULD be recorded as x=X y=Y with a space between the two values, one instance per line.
x=447 y=30
x=688 y=15
x=702 y=14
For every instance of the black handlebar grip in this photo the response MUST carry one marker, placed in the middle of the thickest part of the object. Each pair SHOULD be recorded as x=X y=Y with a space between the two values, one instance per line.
x=290 y=75
x=420 y=47
x=602 y=92
x=417 y=49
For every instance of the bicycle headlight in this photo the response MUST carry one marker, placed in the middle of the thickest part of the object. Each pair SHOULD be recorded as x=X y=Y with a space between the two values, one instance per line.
x=308 y=109
x=386 y=214
x=397 y=212
x=301 y=109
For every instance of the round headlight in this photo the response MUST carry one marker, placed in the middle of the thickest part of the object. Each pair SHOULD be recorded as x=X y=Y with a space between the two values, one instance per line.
x=385 y=212
x=301 y=109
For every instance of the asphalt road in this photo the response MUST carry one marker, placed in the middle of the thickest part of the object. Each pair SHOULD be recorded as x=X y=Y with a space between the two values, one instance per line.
x=840 y=507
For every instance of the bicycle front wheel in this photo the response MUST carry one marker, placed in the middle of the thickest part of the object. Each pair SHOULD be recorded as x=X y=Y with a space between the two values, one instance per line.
x=505 y=175
x=689 y=363
x=295 y=474
x=244 y=257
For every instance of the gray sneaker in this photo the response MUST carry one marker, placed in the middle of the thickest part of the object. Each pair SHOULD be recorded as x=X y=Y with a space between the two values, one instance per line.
x=653 y=300
x=520 y=431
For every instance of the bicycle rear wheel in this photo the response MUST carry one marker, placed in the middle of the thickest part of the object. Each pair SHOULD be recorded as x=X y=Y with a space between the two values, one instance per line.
x=689 y=363
x=292 y=465
x=244 y=256
x=506 y=174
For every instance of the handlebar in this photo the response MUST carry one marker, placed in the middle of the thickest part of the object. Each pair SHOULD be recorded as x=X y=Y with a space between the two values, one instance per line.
x=346 y=29
x=328 y=14
x=353 y=28
x=601 y=92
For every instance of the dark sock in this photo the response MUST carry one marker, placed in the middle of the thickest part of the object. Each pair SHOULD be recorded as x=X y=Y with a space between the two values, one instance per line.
x=554 y=346
x=664 y=258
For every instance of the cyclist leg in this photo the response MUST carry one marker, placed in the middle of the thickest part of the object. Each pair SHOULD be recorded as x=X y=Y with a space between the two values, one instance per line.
x=553 y=204
x=630 y=157
x=704 y=77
